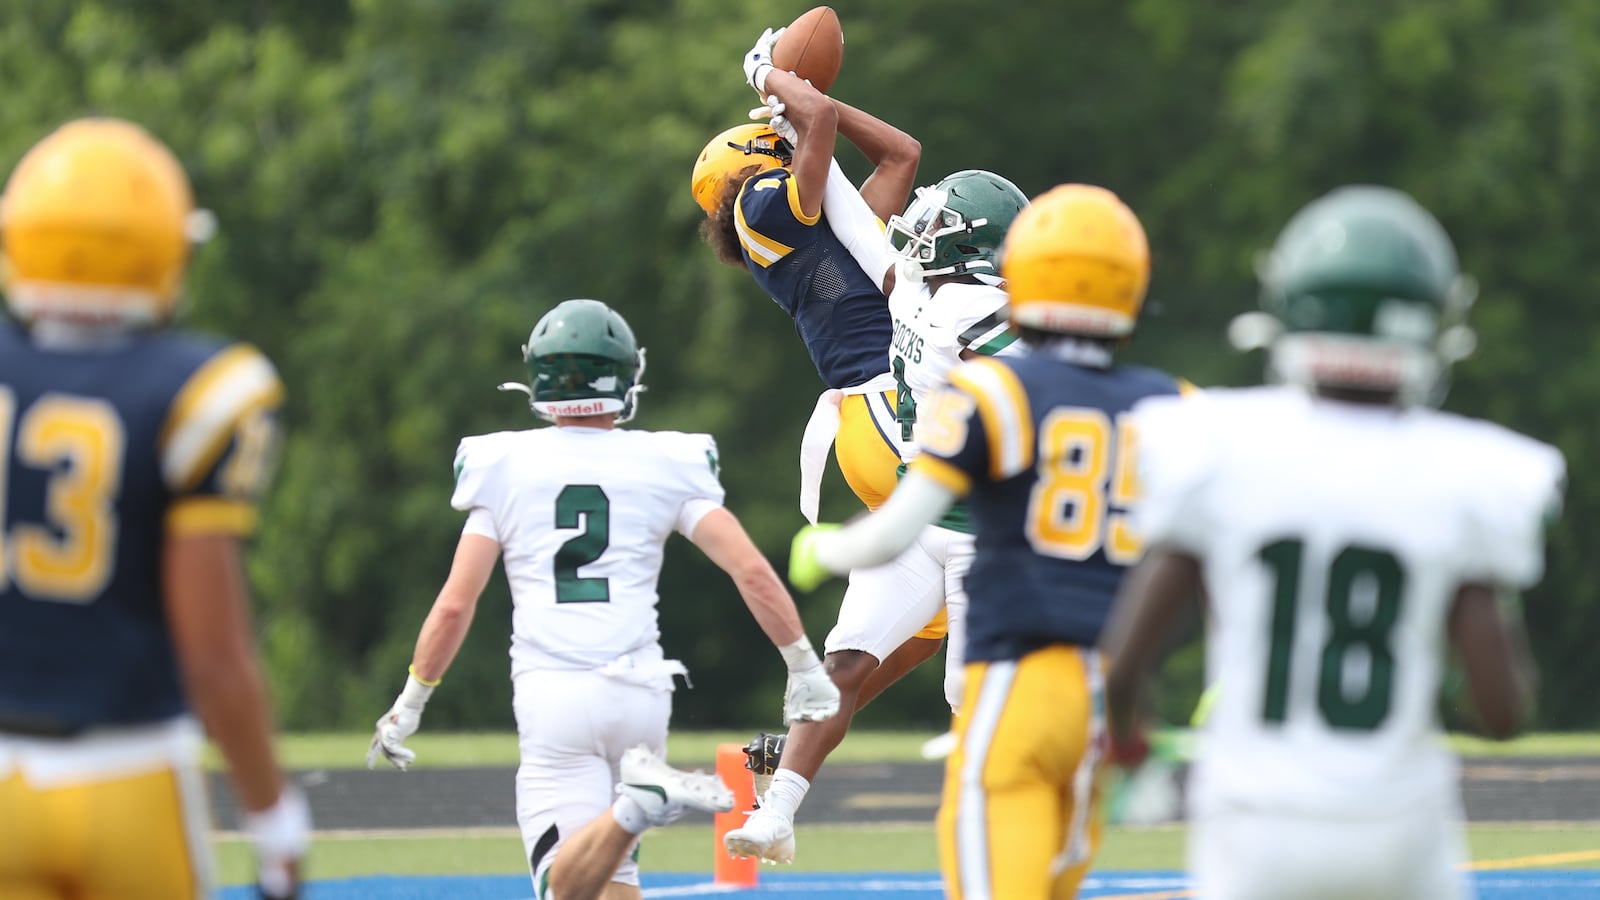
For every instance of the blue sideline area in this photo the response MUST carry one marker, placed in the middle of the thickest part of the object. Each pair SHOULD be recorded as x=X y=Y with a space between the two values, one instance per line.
x=1543 y=884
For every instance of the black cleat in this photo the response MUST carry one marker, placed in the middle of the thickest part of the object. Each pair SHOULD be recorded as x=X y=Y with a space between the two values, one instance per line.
x=761 y=757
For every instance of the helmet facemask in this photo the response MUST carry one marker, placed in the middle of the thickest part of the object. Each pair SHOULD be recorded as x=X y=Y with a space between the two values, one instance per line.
x=1407 y=350
x=920 y=236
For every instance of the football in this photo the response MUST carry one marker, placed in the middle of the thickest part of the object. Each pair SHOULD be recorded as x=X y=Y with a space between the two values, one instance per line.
x=812 y=47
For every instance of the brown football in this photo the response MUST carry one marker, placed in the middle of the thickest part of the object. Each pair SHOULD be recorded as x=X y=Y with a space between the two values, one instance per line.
x=812 y=47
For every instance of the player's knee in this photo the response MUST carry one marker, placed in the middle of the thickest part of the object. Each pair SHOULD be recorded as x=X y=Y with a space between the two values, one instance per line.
x=850 y=669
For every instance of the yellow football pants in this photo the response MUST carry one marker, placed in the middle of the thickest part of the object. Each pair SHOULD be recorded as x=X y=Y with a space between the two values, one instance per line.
x=130 y=838
x=1018 y=817
x=870 y=459
x=865 y=446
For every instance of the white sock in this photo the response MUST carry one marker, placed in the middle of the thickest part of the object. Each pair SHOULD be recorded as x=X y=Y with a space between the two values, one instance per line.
x=629 y=815
x=787 y=792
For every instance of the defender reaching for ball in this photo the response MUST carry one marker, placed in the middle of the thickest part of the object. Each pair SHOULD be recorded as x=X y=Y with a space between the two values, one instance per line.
x=943 y=313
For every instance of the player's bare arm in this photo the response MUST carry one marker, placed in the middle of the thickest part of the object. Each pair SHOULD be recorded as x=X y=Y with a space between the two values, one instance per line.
x=451 y=616
x=437 y=645
x=816 y=121
x=893 y=153
x=1149 y=609
x=207 y=606
x=810 y=696
x=1499 y=673
x=724 y=541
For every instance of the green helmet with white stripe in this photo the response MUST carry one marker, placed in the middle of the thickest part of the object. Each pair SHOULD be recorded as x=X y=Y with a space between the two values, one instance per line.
x=1362 y=291
x=956 y=227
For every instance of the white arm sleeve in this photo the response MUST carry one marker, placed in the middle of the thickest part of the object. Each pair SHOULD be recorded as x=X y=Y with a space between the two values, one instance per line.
x=855 y=226
x=916 y=503
x=693 y=510
x=481 y=522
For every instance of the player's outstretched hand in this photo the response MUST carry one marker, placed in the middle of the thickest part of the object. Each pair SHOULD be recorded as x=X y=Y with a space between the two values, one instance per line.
x=774 y=109
x=805 y=572
x=399 y=723
x=759 y=60
x=281 y=835
x=810 y=696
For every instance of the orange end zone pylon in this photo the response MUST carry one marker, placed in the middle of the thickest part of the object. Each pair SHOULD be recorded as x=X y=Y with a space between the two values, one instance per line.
x=727 y=871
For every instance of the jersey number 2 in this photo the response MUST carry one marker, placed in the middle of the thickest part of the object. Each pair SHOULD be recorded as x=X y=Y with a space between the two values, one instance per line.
x=79 y=442
x=1376 y=578
x=583 y=506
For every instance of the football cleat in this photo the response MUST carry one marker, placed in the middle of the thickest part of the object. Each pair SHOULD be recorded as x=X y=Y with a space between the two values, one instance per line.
x=665 y=793
x=761 y=757
x=766 y=835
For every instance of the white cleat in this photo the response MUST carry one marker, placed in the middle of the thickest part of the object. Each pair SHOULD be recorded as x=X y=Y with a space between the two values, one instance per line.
x=766 y=835
x=665 y=793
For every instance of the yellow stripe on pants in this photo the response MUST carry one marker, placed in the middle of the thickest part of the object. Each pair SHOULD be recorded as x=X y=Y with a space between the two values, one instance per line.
x=1009 y=802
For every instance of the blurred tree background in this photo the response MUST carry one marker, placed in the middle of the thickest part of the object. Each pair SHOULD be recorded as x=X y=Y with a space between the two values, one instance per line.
x=405 y=186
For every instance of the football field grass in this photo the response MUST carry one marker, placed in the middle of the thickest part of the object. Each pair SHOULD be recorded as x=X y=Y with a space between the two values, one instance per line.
x=910 y=848
x=347 y=750
x=686 y=851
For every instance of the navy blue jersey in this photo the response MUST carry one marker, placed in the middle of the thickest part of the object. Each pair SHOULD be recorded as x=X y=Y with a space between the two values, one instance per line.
x=1043 y=450
x=838 y=310
x=106 y=452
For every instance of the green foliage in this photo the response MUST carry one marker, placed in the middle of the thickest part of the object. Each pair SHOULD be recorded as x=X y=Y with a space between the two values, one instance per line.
x=405 y=186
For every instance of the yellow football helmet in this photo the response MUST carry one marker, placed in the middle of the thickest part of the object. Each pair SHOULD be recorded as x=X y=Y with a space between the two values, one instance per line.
x=1076 y=262
x=96 y=225
x=739 y=147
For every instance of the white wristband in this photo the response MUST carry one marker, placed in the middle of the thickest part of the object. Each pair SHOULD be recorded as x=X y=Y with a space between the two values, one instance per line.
x=415 y=695
x=282 y=830
x=799 y=655
x=759 y=78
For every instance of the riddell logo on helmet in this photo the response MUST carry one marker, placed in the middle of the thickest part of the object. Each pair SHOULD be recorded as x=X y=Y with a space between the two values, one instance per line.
x=577 y=408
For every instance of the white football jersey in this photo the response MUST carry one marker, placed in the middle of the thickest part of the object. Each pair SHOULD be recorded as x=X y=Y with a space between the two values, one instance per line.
x=931 y=330
x=1333 y=539
x=582 y=515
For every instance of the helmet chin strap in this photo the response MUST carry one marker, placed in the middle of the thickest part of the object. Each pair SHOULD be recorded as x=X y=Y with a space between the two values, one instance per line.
x=630 y=400
x=519 y=386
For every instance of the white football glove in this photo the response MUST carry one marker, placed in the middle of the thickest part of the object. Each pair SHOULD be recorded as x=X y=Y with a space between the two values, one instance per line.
x=810 y=696
x=780 y=124
x=281 y=835
x=758 y=62
x=399 y=723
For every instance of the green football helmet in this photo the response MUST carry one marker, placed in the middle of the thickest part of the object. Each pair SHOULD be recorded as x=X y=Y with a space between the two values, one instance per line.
x=582 y=361
x=956 y=227
x=1362 y=291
